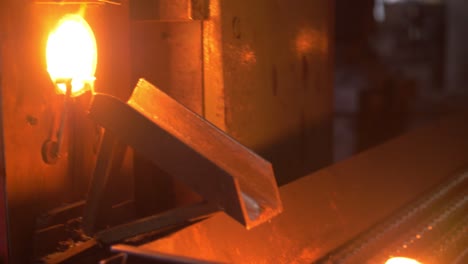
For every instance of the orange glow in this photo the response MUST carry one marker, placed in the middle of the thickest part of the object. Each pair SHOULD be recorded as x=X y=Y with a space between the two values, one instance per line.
x=248 y=56
x=402 y=260
x=72 y=54
x=309 y=40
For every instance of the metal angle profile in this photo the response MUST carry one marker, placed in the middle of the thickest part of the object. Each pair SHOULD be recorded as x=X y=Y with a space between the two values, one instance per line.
x=194 y=151
x=156 y=256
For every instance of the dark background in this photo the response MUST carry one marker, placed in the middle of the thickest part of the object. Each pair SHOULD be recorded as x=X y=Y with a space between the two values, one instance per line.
x=398 y=65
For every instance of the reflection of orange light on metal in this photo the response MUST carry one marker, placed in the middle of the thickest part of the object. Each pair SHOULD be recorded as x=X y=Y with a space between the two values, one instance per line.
x=72 y=54
x=246 y=55
x=249 y=57
x=308 y=40
x=402 y=260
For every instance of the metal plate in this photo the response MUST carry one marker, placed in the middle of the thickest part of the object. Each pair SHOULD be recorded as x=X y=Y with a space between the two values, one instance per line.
x=268 y=71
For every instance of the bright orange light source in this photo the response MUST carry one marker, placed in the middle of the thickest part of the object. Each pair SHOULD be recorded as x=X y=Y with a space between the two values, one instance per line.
x=72 y=54
x=402 y=260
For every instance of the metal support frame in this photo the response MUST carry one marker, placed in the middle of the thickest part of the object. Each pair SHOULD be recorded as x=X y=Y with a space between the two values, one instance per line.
x=104 y=165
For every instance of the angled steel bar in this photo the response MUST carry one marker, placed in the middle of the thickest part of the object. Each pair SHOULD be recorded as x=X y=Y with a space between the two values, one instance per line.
x=101 y=174
x=157 y=257
x=174 y=217
x=191 y=149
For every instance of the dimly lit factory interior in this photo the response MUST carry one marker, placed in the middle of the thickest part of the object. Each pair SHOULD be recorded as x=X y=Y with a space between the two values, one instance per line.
x=234 y=131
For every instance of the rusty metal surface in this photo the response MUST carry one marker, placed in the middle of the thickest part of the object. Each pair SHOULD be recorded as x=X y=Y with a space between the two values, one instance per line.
x=268 y=69
x=328 y=208
x=187 y=147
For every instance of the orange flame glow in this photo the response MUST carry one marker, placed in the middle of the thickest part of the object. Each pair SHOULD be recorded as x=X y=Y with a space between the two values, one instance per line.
x=402 y=260
x=72 y=54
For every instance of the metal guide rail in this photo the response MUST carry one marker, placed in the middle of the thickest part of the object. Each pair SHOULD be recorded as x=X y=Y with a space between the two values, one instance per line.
x=432 y=229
